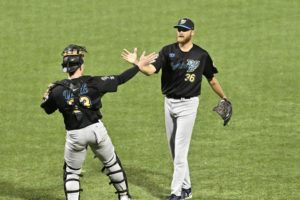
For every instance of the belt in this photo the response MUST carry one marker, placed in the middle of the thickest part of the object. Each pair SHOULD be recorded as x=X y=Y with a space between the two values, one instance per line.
x=177 y=97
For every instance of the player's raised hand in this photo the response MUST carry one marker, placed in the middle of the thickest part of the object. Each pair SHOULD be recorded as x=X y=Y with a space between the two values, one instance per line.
x=130 y=57
x=146 y=60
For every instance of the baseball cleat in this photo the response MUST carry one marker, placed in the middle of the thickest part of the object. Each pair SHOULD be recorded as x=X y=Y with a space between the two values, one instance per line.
x=174 y=197
x=186 y=193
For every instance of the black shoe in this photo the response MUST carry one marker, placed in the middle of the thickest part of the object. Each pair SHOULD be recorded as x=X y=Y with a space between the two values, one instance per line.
x=186 y=193
x=174 y=197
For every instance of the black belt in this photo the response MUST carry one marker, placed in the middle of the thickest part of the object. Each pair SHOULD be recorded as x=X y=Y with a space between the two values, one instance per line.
x=177 y=97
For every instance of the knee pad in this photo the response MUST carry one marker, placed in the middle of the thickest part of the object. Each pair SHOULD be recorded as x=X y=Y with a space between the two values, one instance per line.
x=117 y=176
x=71 y=179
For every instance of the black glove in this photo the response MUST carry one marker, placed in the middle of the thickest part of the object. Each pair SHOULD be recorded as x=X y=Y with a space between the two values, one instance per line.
x=47 y=92
x=224 y=109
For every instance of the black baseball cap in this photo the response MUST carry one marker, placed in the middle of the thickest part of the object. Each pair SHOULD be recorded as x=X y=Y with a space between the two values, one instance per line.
x=185 y=23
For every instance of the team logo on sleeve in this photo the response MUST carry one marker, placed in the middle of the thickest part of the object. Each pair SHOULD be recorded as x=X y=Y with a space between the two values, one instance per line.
x=104 y=78
x=171 y=55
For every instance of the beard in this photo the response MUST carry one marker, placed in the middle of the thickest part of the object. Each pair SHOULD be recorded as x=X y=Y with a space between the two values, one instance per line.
x=184 y=39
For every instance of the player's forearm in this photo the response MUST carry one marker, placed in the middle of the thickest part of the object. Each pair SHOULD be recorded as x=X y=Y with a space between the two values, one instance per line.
x=215 y=85
x=148 y=70
x=128 y=74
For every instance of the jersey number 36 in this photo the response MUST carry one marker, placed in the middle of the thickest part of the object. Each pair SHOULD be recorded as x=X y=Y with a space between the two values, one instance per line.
x=190 y=77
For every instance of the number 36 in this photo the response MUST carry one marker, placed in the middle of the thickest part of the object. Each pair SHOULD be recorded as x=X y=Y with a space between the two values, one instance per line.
x=190 y=77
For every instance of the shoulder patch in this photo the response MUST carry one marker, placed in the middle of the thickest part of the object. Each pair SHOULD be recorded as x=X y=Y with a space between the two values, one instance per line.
x=104 y=78
x=171 y=55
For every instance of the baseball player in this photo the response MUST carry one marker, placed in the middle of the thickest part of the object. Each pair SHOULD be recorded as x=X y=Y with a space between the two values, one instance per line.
x=78 y=98
x=182 y=64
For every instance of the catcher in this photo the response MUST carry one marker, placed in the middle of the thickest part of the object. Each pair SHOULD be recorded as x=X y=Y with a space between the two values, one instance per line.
x=78 y=98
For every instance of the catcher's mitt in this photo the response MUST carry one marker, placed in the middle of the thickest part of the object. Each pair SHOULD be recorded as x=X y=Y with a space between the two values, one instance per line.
x=224 y=109
x=47 y=92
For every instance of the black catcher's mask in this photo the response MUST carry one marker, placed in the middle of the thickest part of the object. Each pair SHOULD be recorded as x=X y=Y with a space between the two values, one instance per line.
x=72 y=57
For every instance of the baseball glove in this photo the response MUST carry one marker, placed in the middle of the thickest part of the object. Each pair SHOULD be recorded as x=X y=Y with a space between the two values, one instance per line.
x=224 y=109
x=47 y=92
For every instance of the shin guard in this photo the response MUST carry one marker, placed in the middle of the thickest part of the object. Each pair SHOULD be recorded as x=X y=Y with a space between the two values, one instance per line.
x=72 y=183
x=117 y=176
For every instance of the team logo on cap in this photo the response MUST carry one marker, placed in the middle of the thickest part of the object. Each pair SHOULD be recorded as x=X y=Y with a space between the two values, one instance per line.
x=182 y=21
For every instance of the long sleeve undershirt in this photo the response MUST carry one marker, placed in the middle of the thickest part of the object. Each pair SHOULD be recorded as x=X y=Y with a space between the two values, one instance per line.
x=127 y=75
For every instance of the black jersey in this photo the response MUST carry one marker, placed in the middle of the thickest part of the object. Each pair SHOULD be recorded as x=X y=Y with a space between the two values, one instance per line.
x=182 y=71
x=83 y=96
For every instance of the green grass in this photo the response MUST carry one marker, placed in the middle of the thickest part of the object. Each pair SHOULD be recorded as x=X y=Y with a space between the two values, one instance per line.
x=255 y=45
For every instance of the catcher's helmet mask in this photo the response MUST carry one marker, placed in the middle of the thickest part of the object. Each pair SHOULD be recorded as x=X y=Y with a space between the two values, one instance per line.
x=72 y=57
